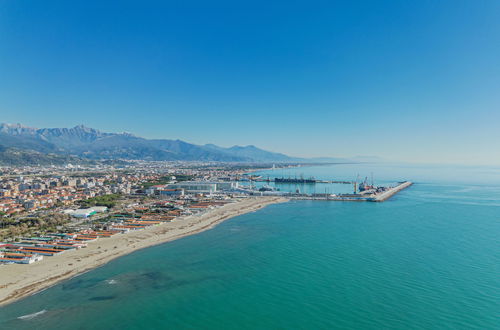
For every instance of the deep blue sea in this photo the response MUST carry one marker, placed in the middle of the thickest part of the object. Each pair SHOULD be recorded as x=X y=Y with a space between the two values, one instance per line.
x=428 y=258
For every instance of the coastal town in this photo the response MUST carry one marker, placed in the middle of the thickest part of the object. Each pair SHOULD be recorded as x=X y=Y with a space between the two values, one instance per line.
x=46 y=211
x=49 y=210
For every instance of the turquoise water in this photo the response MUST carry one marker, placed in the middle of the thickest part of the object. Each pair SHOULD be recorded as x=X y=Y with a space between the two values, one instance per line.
x=426 y=259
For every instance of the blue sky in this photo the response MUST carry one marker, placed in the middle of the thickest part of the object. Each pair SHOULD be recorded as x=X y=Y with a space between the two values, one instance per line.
x=415 y=81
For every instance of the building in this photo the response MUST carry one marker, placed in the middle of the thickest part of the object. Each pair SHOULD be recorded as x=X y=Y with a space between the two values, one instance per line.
x=169 y=192
x=203 y=187
x=99 y=209
x=81 y=213
x=226 y=186
x=195 y=187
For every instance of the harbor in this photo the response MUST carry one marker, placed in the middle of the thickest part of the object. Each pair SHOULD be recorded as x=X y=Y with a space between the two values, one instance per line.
x=375 y=196
x=301 y=180
x=300 y=188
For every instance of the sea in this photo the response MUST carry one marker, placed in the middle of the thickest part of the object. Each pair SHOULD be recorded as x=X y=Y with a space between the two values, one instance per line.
x=428 y=258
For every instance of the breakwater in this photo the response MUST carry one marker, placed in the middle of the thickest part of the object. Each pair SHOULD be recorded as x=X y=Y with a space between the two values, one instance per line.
x=392 y=191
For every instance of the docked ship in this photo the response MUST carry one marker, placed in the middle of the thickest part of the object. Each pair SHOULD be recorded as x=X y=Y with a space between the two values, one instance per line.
x=295 y=180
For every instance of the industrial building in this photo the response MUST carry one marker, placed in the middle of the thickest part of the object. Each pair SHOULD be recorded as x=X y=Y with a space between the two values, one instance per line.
x=204 y=187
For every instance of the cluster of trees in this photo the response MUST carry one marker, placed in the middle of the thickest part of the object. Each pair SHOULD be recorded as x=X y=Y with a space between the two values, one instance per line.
x=104 y=200
x=162 y=180
x=11 y=227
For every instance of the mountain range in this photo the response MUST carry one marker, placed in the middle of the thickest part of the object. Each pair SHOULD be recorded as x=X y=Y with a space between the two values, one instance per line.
x=21 y=144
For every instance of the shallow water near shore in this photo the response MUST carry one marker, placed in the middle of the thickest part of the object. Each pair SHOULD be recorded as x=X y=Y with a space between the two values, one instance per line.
x=426 y=259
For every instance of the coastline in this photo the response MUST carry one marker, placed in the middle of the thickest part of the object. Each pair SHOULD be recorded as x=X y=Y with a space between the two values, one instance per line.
x=19 y=281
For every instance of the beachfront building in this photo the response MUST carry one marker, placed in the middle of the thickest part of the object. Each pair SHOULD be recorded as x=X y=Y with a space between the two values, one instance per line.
x=99 y=209
x=203 y=187
x=195 y=187
x=85 y=213
x=226 y=186
x=81 y=213
x=169 y=192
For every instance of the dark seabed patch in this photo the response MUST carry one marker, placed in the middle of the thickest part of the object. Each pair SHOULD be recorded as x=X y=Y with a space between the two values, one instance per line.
x=101 y=298
x=78 y=283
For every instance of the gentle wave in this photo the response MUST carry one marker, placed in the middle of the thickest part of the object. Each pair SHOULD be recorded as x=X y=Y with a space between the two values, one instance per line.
x=32 y=316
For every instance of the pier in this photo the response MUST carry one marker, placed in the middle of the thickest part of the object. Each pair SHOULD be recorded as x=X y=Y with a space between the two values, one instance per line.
x=301 y=181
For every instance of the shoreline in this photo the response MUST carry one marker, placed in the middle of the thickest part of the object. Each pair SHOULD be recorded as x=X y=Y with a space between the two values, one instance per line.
x=19 y=281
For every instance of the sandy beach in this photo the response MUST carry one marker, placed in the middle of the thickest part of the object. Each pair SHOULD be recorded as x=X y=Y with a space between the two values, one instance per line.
x=18 y=281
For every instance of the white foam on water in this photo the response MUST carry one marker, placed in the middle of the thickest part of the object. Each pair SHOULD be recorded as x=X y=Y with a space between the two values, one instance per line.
x=32 y=316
